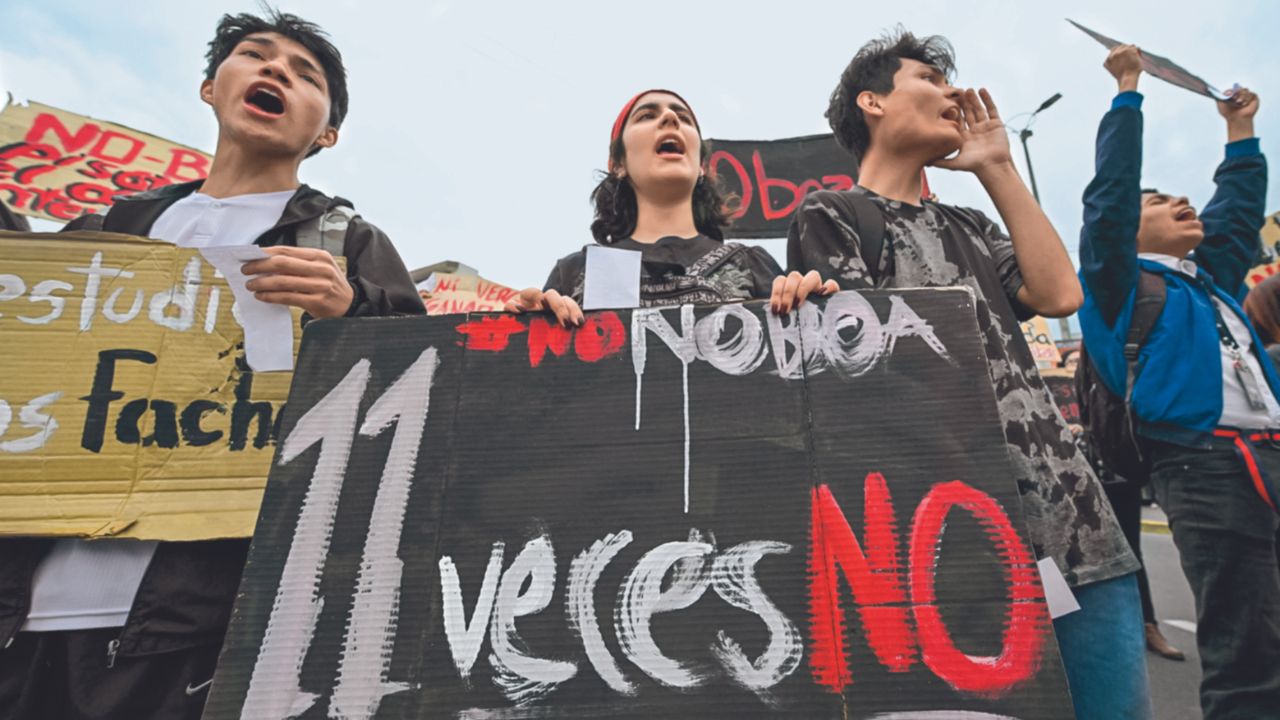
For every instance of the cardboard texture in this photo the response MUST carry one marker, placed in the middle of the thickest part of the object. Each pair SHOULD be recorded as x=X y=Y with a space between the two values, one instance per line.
x=58 y=165
x=769 y=178
x=677 y=513
x=125 y=406
x=454 y=293
x=1043 y=349
x=1270 y=249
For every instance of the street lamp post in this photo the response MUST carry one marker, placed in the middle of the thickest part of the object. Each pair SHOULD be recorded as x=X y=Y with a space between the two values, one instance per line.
x=1025 y=134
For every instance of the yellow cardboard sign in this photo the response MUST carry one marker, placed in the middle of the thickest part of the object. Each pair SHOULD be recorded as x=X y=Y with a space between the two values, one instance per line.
x=1270 y=245
x=455 y=293
x=125 y=406
x=1043 y=349
x=58 y=165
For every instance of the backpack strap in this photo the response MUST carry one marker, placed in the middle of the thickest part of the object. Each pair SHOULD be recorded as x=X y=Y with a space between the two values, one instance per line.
x=327 y=232
x=871 y=231
x=1147 y=306
x=868 y=222
x=712 y=261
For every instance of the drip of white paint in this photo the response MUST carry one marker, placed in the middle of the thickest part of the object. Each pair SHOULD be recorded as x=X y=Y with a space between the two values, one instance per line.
x=466 y=638
x=733 y=577
x=521 y=677
x=296 y=608
x=371 y=624
x=684 y=376
x=580 y=605
x=685 y=348
x=641 y=597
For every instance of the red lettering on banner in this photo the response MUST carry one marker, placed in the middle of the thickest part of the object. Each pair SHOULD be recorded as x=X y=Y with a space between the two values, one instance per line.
x=599 y=337
x=545 y=335
x=48 y=122
x=758 y=185
x=100 y=148
x=874 y=574
x=491 y=334
x=1027 y=622
x=837 y=182
x=744 y=179
x=181 y=159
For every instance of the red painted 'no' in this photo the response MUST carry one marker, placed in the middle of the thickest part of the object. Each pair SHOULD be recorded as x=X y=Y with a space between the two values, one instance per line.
x=880 y=591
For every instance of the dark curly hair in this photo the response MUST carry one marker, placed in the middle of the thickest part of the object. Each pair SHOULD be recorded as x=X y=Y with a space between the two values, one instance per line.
x=232 y=29
x=616 y=209
x=873 y=69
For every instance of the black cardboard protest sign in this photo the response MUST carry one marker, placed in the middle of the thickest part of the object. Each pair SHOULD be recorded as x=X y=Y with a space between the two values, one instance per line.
x=678 y=513
x=770 y=177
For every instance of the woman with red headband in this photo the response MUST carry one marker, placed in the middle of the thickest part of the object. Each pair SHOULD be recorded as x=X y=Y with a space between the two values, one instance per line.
x=658 y=200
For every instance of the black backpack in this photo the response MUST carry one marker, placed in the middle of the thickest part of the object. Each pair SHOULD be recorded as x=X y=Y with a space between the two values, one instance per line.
x=1110 y=427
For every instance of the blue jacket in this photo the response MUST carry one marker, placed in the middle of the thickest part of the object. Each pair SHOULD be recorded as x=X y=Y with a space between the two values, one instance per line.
x=1178 y=393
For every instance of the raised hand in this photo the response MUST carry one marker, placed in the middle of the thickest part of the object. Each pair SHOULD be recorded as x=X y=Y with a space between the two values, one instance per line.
x=1238 y=110
x=984 y=143
x=1124 y=62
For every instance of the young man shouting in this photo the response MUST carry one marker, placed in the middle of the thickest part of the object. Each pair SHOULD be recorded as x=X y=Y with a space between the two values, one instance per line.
x=127 y=629
x=1203 y=391
x=897 y=112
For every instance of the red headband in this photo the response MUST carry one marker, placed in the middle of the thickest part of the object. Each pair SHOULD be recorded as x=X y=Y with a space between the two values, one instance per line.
x=626 y=112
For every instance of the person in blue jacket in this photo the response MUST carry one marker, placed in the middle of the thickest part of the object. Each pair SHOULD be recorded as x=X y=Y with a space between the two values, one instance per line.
x=1204 y=396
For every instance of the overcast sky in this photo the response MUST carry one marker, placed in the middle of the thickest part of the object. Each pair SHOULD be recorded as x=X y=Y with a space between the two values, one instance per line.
x=476 y=129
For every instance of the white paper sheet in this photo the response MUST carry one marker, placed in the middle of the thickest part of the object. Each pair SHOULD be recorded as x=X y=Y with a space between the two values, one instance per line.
x=268 y=327
x=612 y=279
x=1057 y=593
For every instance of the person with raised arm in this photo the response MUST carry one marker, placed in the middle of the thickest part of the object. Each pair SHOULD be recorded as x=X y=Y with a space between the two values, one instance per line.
x=1201 y=390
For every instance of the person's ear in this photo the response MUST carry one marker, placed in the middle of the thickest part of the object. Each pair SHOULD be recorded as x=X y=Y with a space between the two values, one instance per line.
x=328 y=138
x=617 y=169
x=869 y=103
x=206 y=92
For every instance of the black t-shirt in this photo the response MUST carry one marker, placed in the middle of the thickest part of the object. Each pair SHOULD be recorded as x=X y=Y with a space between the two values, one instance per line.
x=936 y=245
x=677 y=271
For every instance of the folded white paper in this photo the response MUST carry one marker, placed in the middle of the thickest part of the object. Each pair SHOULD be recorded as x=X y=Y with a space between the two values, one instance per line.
x=612 y=279
x=1057 y=593
x=268 y=327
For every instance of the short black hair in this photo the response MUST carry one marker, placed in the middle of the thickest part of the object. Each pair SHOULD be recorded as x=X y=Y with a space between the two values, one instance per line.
x=872 y=68
x=232 y=29
x=616 y=210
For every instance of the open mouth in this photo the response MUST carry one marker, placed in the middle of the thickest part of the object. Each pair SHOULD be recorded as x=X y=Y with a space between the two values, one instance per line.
x=1185 y=214
x=952 y=114
x=266 y=99
x=672 y=146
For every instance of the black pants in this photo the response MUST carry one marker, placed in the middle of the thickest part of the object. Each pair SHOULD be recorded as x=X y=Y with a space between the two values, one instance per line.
x=1226 y=537
x=64 y=675
x=1125 y=497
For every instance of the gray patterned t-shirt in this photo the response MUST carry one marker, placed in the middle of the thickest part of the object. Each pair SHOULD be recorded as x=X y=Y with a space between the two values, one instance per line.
x=1068 y=516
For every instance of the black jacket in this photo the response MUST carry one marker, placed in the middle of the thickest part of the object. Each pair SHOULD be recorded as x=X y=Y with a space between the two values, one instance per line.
x=187 y=592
